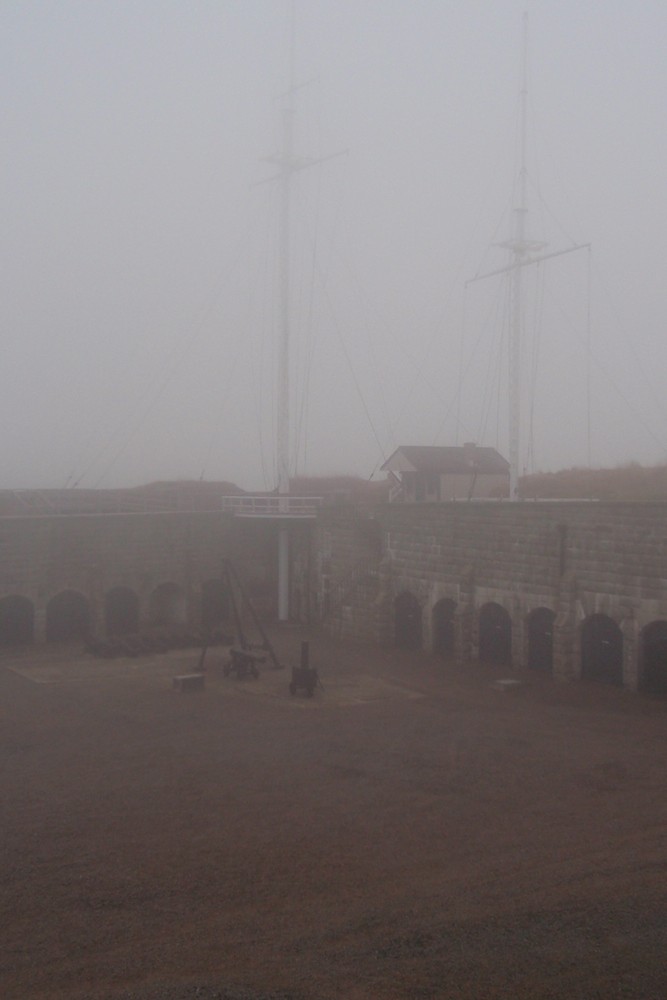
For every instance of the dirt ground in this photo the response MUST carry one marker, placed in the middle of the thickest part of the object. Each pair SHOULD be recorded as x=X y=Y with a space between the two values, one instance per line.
x=413 y=831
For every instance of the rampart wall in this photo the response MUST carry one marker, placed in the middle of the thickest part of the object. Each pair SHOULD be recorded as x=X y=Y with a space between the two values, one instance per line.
x=579 y=583
x=577 y=560
x=92 y=555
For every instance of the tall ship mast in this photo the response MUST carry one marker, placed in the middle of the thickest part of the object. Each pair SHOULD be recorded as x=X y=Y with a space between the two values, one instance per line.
x=523 y=252
x=288 y=164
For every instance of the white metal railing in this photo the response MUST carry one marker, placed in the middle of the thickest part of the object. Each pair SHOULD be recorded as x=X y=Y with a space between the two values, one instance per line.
x=275 y=505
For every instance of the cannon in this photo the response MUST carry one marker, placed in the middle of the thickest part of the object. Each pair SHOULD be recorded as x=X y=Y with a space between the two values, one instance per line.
x=304 y=677
x=243 y=663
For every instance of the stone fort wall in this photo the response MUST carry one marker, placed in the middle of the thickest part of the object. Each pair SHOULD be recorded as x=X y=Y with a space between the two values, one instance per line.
x=576 y=559
x=90 y=555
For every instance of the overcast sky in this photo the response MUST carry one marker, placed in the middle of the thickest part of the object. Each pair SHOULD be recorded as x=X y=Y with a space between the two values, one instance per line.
x=139 y=247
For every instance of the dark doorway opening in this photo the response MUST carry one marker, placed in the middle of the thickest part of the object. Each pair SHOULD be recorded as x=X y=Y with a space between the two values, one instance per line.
x=67 y=617
x=17 y=620
x=541 y=639
x=407 y=621
x=443 y=627
x=495 y=635
x=214 y=603
x=167 y=605
x=654 y=659
x=601 y=650
x=121 y=611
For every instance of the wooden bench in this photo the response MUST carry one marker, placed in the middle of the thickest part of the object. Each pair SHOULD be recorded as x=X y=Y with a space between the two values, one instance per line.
x=189 y=682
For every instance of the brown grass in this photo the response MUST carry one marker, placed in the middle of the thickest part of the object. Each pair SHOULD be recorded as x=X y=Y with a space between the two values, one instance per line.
x=632 y=482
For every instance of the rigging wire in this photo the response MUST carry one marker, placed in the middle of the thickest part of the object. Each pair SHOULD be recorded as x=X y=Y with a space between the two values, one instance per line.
x=504 y=340
x=314 y=329
x=225 y=393
x=301 y=430
x=356 y=284
x=588 y=358
x=459 y=388
x=365 y=326
x=355 y=380
x=546 y=209
x=454 y=287
x=456 y=402
x=605 y=371
x=268 y=324
x=101 y=432
x=551 y=155
x=600 y=282
x=494 y=365
x=322 y=273
x=167 y=373
x=536 y=344
x=311 y=333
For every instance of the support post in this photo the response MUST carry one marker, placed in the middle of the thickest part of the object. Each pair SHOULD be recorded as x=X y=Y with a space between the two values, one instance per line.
x=283 y=574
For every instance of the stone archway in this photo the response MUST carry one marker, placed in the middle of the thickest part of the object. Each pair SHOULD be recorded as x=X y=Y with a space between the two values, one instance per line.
x=541 y=639
x=67 y=617
x=17 y=620
x=443 y=627
x=495 y=635
x=215 y=603
x=653 y=678
x=601 y=650
x=168 y=605
x=121 y=611
x=407 y=621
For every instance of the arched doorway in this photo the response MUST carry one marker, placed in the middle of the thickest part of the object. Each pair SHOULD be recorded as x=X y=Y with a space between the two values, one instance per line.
x=67 y=617
x=407 y=621
x=167 y=605
x=654 y=659
x=541 y=639
x=121 y=611
x=443 y=627
x=17 y=620
x=495 y=635
x=214 y=603
x=601 y=650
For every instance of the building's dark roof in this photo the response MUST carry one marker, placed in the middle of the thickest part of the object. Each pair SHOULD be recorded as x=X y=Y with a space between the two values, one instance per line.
x=467 y=458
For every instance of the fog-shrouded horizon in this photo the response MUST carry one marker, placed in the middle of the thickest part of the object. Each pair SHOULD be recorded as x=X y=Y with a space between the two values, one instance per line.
x=140 y=251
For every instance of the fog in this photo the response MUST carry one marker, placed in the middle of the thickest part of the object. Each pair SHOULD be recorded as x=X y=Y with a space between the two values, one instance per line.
x=139 y=291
